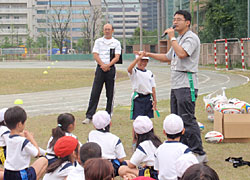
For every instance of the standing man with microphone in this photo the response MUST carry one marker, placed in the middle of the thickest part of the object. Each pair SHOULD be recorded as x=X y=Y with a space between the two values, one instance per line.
x=184 y=58
x=106 y=52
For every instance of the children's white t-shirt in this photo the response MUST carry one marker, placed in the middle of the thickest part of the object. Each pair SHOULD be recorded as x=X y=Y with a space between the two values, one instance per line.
x=142 y=81
x=60 y=173
x=144 y=153
x=4 y=135
x=111 y=145
x=166 y=156
x=18 y=153
x=77 y=173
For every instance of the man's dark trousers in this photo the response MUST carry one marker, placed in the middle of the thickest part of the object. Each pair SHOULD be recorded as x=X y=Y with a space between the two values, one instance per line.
x=102 y=77
x=182 y=105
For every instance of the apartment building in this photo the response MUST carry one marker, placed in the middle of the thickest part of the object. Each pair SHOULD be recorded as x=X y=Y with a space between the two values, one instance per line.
x=16 y=20
x=55 y=13
x=131 y=19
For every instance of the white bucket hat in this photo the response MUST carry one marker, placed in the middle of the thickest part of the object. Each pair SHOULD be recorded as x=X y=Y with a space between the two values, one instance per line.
x=142 y=124
x=101 y=119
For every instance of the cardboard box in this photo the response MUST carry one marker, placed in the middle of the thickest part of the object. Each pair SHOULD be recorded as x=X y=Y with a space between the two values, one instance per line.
x=234 y=127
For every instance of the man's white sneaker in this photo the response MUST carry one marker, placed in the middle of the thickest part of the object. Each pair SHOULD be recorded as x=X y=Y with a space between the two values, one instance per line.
x=86 y=121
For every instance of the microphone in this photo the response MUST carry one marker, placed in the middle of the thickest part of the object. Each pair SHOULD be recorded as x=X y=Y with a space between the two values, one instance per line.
x=164 y=34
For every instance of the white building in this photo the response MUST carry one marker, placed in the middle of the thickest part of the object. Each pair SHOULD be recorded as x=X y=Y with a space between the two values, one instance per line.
x=16 y=20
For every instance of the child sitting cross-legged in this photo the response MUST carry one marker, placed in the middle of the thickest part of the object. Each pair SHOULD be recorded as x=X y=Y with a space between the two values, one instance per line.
x=111 y=145
x=168 y=154
x=65 y=126
x=66 y=150
x=147 y=143
x=21 y=147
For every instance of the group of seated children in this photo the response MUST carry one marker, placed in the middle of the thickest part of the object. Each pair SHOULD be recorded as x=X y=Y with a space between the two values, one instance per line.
x=102 y=157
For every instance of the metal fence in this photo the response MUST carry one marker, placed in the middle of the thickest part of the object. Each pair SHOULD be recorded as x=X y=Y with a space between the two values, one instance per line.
x=206 y=54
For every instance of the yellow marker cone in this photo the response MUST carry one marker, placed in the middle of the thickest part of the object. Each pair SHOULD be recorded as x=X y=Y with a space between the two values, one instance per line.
x=52 y=63
x=45 y=72
x=18 y=101
x=56 y=61
x=48 y=67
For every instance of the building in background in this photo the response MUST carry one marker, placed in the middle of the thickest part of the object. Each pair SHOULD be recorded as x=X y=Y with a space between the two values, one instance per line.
x=47 y=11
x=16 y=20
x=113 y=13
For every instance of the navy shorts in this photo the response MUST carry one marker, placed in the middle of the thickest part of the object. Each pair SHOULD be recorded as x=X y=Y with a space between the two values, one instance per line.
x=26 y=174
x=143 y=106
x=116 y=164
x=149 y=171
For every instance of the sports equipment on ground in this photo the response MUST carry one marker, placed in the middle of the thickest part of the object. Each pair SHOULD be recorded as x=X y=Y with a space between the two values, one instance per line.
x=214 y=137
x=201 y=126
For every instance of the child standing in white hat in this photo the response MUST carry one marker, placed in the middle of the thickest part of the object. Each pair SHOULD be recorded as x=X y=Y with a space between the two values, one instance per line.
x=147 y=143
x=111 y=145
x=143 y=102
x=171 y=150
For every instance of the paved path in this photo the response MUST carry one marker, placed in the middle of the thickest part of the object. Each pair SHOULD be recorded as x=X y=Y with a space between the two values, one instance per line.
x=70 y=100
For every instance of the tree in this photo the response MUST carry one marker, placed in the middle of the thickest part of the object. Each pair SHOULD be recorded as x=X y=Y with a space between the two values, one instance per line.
x=30 y=43
x=224 y=19
x=148 y=37
x=41 y=41
x=92 y=21
x=6 y=43
x=59 y=23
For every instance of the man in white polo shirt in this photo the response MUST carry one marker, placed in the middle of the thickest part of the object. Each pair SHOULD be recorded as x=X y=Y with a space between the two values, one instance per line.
x=105 y=70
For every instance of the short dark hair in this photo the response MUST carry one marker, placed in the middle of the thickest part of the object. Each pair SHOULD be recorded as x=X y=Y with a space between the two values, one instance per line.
x=13 y=116
x=186 y=14
x=173 y=136
x=90 y=150
x=201 y=172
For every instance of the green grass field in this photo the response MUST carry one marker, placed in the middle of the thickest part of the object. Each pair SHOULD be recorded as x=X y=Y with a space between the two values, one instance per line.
x=121 y=125
x=14 y=81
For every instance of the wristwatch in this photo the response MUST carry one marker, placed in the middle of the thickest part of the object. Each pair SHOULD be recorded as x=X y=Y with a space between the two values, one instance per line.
x=173 y=39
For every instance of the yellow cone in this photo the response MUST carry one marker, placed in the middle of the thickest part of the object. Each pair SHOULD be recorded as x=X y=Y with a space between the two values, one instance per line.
x=48 y=67
x=18 y=101
x=52 y=63
x=45 y=72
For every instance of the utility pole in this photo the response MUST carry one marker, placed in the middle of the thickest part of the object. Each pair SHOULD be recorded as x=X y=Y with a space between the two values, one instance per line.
x=106 y=16
x=123 y=28
x=197 y=16
x=248 y=19
x=50 y=31
x=92 y=24
x=140 y=21
x=71 y=26
x=158 y=24
x=47 y=32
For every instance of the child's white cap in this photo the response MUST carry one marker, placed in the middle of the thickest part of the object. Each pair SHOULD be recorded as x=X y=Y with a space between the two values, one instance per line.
x=101 y=119
x=173 y=124
x=2 y=112
x=144 y=57
x=185 y=161
x=142 y=124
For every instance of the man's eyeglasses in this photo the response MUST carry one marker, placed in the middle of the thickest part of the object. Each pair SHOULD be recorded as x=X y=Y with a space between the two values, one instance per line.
x=178 y=19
